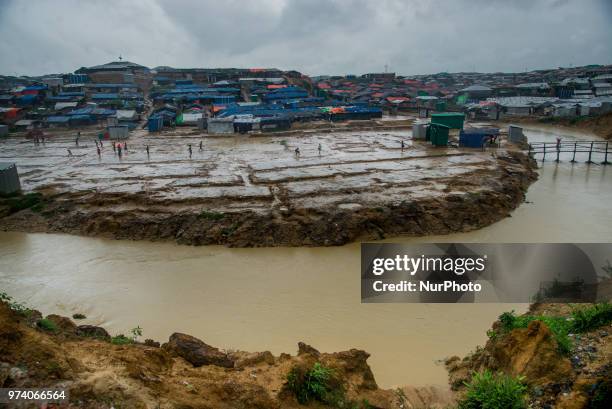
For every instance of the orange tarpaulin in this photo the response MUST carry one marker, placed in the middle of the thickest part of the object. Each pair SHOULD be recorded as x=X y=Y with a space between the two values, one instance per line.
x=10 y=113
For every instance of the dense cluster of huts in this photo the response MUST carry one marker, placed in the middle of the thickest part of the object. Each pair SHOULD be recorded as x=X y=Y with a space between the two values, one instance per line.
x=563 y=92
x=72 y=100
x=122 y=93
x=245 y=101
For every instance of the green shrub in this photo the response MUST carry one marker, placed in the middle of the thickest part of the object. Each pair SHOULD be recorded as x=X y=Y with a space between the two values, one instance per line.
x=494 y=391
x=316 y=384
x=121 y=340
x=211 y=215
x=78 y=316
x=592 y=317
x=47 y=325
x=136 y=332
x=559 y=326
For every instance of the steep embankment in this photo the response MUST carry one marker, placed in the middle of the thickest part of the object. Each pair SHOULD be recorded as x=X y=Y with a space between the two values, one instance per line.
x=561 y=354
x=104 y=372
x=554 y=356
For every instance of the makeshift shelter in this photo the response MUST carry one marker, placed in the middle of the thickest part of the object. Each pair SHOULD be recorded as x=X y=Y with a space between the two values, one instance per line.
x=9 y=178
x=453 y=120
x=476 y=137
x=220 y=125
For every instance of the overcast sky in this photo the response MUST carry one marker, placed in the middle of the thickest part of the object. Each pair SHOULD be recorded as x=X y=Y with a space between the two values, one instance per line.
x=312 y=36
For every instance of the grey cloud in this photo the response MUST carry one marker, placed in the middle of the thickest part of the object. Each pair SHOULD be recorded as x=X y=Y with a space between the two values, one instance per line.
x=313 y=36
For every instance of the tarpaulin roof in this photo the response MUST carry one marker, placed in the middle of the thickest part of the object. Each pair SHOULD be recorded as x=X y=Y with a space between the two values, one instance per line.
x=105 y=96
x=58 y=119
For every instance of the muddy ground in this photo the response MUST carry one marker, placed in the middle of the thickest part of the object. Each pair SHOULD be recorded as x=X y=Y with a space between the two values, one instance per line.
x=256 y=191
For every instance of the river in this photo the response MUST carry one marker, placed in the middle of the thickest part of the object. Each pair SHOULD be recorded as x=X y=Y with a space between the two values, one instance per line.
x=259 y=299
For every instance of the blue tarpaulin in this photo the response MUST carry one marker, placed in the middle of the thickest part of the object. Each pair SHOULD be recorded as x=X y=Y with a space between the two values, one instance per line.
x=58 y=119
x=103 y=96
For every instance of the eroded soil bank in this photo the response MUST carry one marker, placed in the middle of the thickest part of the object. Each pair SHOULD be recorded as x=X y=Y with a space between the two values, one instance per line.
x=100 y=372
x=120 y=372
x=253 y=192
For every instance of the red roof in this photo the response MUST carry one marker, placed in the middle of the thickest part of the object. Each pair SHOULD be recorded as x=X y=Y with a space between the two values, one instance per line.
x=276 y=86
x=323 y=85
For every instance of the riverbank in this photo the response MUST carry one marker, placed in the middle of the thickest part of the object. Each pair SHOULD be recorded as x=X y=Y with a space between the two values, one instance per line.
x=556 y=368
x=256 y=192
x=100 y=371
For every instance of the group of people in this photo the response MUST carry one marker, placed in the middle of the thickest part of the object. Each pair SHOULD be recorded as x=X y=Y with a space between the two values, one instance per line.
x=121 y=148
x=297 y=151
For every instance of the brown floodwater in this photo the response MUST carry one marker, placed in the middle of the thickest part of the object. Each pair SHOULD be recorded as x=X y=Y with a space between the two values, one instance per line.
x=258 y=299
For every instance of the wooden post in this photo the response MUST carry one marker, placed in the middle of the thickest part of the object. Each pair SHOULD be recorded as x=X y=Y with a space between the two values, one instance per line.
x=605 y=162
x=590 y=153
x=574 y=156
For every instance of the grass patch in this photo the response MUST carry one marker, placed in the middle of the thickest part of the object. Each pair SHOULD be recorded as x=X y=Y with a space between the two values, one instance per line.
x=47 y=325
x=205 y=214
x=582 y=319
x=592 y=317
x=559 y=326
x=121 y=340
x=78 y=316
x=492 y=391
x=318 y=383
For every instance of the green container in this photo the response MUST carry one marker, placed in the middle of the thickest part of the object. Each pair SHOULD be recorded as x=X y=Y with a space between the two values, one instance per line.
x=441 y=106
x=453 y=120
x=439 y=134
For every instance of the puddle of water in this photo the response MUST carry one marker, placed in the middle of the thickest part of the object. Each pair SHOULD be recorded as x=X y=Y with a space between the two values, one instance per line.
x=257 y=299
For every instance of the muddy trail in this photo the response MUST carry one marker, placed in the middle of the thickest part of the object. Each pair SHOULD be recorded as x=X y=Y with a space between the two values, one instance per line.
x=258 y=191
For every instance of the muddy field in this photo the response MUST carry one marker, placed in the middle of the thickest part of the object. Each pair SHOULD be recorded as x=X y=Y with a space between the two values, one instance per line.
x=250 y=191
